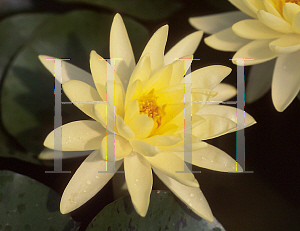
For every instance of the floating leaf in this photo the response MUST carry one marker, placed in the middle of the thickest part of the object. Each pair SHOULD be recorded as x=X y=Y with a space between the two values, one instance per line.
x=146 y=9
x=27 y=99
x=26 y=204
x=166 y=212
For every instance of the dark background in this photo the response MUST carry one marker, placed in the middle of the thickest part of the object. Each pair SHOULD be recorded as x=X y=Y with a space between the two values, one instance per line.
x=268 y=198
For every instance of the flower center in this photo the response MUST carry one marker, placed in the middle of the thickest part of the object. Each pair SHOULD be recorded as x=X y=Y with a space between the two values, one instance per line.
x=280 y=3
x=148 y=106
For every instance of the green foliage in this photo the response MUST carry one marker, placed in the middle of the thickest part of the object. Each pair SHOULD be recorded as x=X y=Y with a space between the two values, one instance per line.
x=26 y=204
x=166 y=212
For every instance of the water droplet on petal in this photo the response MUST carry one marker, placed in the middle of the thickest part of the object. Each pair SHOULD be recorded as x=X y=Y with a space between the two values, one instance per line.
x=88 y=182
x=192 y=195
x=84 y=191
x=97 y=177
x=136 y=180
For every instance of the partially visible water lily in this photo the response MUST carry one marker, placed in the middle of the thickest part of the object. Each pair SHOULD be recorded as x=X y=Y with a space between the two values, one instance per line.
x=263 y=30
x=148 y=128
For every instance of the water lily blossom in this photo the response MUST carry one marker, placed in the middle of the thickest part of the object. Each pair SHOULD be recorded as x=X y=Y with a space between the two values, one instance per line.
x=267 y=31
x=148 y=120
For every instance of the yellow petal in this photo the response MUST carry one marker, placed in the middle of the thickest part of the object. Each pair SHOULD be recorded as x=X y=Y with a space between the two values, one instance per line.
x=213 y=158
x=78 y=136
x=209 y=77
x=121 y=50
x=69 y=71
x=173 y=166
x=103 y=72
x=144 y=148
x=211 y=24
x=228 y=112
x=160 y=80
x=243 y=7
x=123 y=129
x=142 y=71
x=162 y=140
x=192 y=197
x=138 y=175
x=133 y=92
x=86 y=182
x=142 y=126
x=184 y=47
x=286 y=81
x=225 y=92
x=271 y=8
x=156 y=48
x=290 y=10
x=132 y=111
x=122 y=147
x=286 y=44
x=296 y=23
x=100 y=112
x=255 y=5
x=274 y=22
x=179 y=69
x=226 y=40
x=213 y=126
x=258 y=50
x=82 y=96
x=254 y=29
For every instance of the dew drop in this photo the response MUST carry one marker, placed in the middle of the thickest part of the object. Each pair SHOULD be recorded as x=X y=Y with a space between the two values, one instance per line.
x=136 y=180
x=192 y=195
x=84 y=191
x=71 y=201
x=88 y=182
x=97 y=177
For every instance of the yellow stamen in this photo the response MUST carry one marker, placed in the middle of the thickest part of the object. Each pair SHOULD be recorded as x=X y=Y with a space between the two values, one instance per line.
x=148 y=106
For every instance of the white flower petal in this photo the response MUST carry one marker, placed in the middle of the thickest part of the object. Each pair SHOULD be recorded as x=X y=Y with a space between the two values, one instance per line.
x=213 y=126
x=69 y=71
x=286 y=44
x=240 y=4
x=121 y=148
x=255 y=5
x=274 y=22
x=82 y=96
x=213 y=158
x=80 y=135
x=162 y=140
x=86 y=182
x=296 y=23
x=286 y=80
x=254 y=29
x=228 y=112
x=138 y=175
x=156 y=48
x=209 y=77
x=123 y=129
x=226 y=40
x=225 y=92
x=259 y=80
x=290 y=10
x=142 y=126
x=269 y=7
x=121 y=50
x=186 y=46
x=144 y=148
x=258 y=50
x=192 y=197
x=173 y=166
x=214 y=23
x=49 y=154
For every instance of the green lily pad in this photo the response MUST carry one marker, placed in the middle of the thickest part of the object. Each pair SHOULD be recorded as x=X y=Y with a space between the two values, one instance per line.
x=145 y=10
x=165 y=212
x=26 y=204
x=27 y=99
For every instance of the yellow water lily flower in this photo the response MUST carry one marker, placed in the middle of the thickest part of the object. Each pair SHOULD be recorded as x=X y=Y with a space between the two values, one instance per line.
x=147 y=120
x=267 y=31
